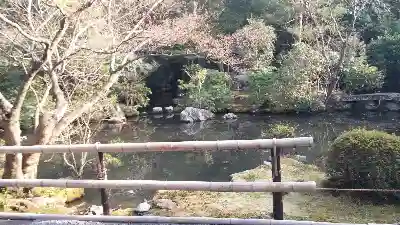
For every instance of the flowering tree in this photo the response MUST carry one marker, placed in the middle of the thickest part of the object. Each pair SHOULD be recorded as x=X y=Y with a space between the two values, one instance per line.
x=249 y=47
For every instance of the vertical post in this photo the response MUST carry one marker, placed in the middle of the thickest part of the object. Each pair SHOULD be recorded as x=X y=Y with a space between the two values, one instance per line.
x=276 y=177
x=102 y=175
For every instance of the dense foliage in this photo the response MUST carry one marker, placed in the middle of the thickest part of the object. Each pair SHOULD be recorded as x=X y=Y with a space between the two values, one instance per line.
x=280 y=130
x=365 y=159
x=297 y=52
x=206 y=89
x=385 y=52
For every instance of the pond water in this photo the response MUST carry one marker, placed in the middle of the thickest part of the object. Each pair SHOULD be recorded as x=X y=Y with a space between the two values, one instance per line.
x=208 y=166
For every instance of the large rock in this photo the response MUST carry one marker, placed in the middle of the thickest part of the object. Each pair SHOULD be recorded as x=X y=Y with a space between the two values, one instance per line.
x=191 y=115
x=169 y=109
x=157 y=110
x=230 y=116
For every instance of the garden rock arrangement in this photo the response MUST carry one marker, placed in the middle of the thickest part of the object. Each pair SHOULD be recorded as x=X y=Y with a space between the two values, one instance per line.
x=191 y=115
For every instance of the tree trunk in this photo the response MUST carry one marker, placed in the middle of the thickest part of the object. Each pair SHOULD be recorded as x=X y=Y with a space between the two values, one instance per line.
x=13 y=164
x=335 y=73
x=43 y=135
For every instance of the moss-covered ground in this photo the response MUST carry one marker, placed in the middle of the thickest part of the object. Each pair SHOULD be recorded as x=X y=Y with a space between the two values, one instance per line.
x=310 y=206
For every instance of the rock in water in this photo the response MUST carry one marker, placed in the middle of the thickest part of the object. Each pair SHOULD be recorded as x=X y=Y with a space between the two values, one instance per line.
x=169 y=109
x=142 y=208
x=191 y=115
x=157 y=110
x=229 y=116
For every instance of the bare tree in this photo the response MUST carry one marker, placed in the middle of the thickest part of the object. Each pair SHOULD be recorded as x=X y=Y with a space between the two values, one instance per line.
x=81 y=131
x=73 y=52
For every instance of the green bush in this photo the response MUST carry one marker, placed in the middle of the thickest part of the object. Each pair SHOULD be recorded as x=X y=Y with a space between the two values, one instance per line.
x=280 y=131
x=360 y=77
x=207 y=89
x=365 y=159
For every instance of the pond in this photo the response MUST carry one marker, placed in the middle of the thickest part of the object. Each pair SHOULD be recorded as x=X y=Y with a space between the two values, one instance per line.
x=208 y=166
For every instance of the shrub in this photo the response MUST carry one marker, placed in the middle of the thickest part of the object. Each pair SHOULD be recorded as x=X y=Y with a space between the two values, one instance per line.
x=280 y=131
x=207 y=89
x=261 y=84
x=365 y=159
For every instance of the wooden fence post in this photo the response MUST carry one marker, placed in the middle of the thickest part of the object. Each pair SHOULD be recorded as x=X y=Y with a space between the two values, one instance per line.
x=102 y=175
x=276 y=177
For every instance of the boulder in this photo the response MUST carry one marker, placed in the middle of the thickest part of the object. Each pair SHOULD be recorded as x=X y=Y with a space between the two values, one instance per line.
x=169 y=109
x=157 y=110
x=230 y=116
x=191 y=115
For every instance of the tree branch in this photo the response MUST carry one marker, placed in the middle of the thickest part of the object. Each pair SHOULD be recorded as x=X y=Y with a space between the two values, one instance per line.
x=40 y=104
x=16 y=110
x=60 y=101
x=141 y=21
x=22 y=32
x=29 y=12
x=71 y=116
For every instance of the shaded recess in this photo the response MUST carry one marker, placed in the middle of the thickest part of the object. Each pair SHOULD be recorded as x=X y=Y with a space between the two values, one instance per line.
x=163 y=82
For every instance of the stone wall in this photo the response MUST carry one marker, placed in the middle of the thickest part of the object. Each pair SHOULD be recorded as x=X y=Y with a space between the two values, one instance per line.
x=372 y=102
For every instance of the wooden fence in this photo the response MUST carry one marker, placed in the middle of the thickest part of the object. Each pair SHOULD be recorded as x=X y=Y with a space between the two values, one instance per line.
x=275 y=186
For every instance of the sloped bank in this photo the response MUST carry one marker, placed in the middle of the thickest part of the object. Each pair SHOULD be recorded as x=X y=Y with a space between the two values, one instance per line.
x=313 y=206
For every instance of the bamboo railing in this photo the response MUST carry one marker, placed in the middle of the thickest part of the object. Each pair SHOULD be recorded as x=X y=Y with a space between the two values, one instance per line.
x=165 y=146
x=162 y=220
x=274 y=187
x=166 y=185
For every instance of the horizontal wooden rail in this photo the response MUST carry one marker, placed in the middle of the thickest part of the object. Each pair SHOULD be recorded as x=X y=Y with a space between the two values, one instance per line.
x=164 y=220
x=165 y=146
x=166 y=185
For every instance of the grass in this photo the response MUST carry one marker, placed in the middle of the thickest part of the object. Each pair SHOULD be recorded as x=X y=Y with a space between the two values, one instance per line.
x=314 y=206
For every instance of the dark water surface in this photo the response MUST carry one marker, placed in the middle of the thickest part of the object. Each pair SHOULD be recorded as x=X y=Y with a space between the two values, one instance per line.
x=209 y=166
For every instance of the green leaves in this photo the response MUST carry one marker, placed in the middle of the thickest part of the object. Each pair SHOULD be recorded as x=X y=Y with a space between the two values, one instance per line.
x=207 y=89
x=385 y=53
x=365 y=159
x=360 y=77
